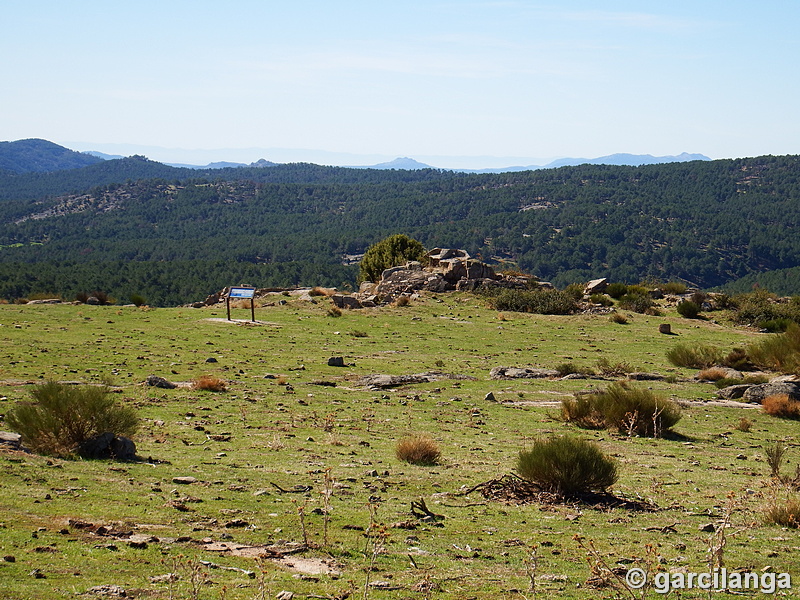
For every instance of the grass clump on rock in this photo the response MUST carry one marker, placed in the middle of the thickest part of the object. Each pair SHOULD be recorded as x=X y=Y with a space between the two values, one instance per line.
x=567 y=466
x=630 y=410
x=62 y=417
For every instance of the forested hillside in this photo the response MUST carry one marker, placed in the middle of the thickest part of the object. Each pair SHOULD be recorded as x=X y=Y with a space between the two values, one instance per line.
x=175 y=235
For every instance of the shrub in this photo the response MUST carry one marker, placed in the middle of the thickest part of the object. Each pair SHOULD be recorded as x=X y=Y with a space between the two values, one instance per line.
x=62 y=417
x=137 y=300
x=694 y=356
x=334 y=311
x=601 y=299
x=575 y=290
x=673 y=287
x=618 y=318
x=780 y=405
x=418 y=450
x=568 y=466
x=779 y=352
x=785 y=513
x=541 y=301
x=317 y=291
x=637 y=302
x=688 y=309
x=392 y=251
x=209 y=383
x=775 y=325
x=738 y=359
x=616 y=290
x=583 y=412
x=402 y=301
x=607 y=369
x=629 y=410
x=744 y=425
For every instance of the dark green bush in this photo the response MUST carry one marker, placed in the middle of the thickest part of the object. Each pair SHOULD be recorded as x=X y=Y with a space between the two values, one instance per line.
x=628 y=409
x=63 y=416
x=688 y=309
x=392 y=251
x=636 y=301
x=694 y=356
x=601 y=299
x=616 y=290
x=541 y=301
x=775 y=325
x=567 y=466
x=138 y=300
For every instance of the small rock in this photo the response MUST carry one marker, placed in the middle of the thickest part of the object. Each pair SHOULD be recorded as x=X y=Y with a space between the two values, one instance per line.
x=284 y=595
x=160 y=382
x=708 y=528
x=490 y=397
x=336 y=361
x=184 y=480
x=211 y=360
x=665 y=328
x=9 y=558
x=108 y=590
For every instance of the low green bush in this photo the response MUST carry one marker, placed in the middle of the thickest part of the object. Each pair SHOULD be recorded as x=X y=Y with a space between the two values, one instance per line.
x=694 y=356
x=616 y=290
x=636 y=301
x=568 y=466
x=779 y=352
x=630 y=410
x=541 y=301
x=688 y=309
x=673 y=287
x=64 y=416
x=601 y=299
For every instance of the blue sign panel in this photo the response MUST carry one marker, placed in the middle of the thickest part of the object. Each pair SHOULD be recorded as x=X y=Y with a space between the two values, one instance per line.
x=238 y=292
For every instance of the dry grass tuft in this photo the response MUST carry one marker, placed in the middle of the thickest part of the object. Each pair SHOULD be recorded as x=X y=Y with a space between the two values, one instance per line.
x=209 y=383
x=418 y=450
x=402 y=301
x=785 y=513
x=744 y=425
x=780 y=405
x=712 y=374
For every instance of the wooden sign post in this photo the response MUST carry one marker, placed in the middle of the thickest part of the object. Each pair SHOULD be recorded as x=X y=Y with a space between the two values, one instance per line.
x=242 y=292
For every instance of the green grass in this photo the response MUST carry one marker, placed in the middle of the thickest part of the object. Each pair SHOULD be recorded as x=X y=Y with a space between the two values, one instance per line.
x=282 y=437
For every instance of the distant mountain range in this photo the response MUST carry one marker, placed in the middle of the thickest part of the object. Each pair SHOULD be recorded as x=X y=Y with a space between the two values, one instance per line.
x=41 y=156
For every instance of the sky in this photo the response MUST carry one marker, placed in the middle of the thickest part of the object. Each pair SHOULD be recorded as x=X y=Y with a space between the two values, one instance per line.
x=437 y=80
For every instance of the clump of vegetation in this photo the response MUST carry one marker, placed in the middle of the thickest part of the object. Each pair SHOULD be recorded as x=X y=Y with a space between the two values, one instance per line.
x=575 y=290
x=402 y=301
x=712 y=374
x=318 y=291
x=618 y=318
x=694 y=356
x=763 y=309
x=673 y=287
x=629 y=410
x=395 y=250
x=780 y=405
x=62 y=417
x=209 y=383
x=96 y=297
x=540 y=301
x=616 y=290
x=688 y=309
x=334 y=311
x=569 y=368
x=775 y=325
x=636 y=301
x=418 y=450
x=567 y=466
x=744 y=425
x=608 y=369
x=601 y=299
x=785 y=512
x=138 y=300
x=780 y=352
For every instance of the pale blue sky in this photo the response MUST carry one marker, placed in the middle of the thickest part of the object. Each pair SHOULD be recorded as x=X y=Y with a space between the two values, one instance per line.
x=416 y=78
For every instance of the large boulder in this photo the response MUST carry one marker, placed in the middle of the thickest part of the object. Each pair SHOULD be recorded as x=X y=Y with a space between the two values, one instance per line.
x=757 y=393
x=107 y=445
x=522 y=373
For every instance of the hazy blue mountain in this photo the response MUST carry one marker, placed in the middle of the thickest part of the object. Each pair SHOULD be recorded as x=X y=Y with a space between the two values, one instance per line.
x=103 y=155
x=409 y=164
x=41 y=156
x=622 y=159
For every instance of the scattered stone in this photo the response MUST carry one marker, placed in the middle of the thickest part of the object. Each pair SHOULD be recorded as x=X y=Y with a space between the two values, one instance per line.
x=166 y=578
x=665 y=328
x=160 y=382
x=108 y=590
x=107 y=445
x=10 y=441
x=336 y=361
x=349 y=302
x=9 y=558
x=522 y=373
x=378 y=381
x=490 y=397
x=707 y=528
x=237 y=523
x=211 y=359
x=284 y=595
x=733 y=392
x=596 y=286
x=184 y=480
x=637 y=376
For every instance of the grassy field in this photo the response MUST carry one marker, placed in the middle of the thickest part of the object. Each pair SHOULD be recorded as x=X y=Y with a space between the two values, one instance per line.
x=298 y=452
